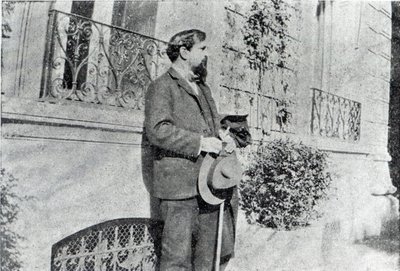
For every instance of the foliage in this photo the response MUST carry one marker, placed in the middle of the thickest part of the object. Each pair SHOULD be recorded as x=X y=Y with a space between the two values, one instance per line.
x=7 y=9
x=266 y=34
x=9 y=210
x=284 y=184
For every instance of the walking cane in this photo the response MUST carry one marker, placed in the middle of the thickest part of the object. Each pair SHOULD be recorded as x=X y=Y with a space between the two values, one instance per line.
x=219 y=236
x=220 y=216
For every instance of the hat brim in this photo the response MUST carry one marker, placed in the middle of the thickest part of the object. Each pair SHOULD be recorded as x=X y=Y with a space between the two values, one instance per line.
x=204 y=189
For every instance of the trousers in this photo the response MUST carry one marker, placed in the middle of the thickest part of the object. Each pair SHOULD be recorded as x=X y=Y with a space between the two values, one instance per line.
x=189 y=237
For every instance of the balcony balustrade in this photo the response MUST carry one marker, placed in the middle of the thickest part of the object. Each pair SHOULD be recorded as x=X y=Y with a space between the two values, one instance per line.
x=335 y=117
x=92 y=62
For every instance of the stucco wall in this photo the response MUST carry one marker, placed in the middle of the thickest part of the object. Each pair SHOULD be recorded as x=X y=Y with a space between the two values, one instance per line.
x=85 y=161
x=344 y=50
x=74 y=185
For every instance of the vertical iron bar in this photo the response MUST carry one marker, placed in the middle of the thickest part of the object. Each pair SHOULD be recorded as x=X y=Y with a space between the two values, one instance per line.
x=320 y=111
x=115 y=246
x=359 y=122
x=48 y=56
x=312 y=112
x=259 y=88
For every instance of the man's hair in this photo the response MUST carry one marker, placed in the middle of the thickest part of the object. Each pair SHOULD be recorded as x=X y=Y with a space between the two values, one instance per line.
x=186 y=39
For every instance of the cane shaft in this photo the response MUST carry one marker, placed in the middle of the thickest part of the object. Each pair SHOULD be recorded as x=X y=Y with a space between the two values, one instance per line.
x=219 y=237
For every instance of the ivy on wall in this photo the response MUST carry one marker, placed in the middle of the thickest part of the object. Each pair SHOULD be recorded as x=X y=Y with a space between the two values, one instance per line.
x=7 y=11
x=266 y=34
x=259 y=45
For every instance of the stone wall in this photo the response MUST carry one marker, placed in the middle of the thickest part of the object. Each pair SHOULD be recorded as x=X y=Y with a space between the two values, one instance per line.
x=341 y=48
x=74 y=185
x=82 y=163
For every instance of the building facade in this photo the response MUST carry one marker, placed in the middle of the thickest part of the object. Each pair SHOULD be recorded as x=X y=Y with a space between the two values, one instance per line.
x=74 y=77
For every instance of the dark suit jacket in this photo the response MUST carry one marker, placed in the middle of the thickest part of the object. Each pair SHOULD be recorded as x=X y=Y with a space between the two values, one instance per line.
x=174 y=123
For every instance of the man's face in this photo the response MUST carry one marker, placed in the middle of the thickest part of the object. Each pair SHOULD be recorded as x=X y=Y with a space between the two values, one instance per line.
x=197 y=58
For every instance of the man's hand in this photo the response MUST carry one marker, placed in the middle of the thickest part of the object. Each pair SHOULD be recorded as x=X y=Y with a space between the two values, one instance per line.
x=226 y=138
x=210 y=144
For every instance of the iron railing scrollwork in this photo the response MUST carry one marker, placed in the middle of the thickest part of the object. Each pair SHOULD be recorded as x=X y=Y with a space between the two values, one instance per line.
x=128 y=244
x=265 y=112
x=335 y=117
x=92 y=62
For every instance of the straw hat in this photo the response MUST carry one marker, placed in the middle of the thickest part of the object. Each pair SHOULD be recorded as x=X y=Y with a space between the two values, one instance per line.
x=217 y=175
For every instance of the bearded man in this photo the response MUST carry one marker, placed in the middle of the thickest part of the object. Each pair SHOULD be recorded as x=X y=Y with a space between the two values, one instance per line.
x=182 y=126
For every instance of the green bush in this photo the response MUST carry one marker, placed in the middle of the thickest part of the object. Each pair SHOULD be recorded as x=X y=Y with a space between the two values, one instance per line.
x=283 y=185
x=8 y=214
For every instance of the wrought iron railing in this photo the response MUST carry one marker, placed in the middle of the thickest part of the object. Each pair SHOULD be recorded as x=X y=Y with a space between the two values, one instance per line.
x=92 y=62
x=334 y=116
x=122 y=244
x=265 y=113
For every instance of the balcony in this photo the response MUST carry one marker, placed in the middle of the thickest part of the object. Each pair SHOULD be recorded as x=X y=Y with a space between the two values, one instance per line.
x=91 y=62
x=335 y=117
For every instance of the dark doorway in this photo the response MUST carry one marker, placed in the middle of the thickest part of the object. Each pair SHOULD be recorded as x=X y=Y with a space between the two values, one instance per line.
x=394 y=105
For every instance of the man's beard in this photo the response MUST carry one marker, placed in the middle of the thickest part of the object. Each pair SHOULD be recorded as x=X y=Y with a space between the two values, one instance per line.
x=200 y=71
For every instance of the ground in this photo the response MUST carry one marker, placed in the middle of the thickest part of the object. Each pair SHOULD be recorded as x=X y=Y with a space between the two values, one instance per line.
x=311 y=249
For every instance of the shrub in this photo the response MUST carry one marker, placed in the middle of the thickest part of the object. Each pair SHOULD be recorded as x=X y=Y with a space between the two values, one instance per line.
x=8 y=214
x=283 y=184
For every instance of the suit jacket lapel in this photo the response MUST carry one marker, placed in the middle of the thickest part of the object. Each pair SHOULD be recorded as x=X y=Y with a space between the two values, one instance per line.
x=210 y=101
x=182 y=82
x=205 y=90
x=207 y=93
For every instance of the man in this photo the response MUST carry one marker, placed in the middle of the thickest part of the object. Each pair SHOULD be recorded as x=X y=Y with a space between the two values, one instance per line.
x=182 y=125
